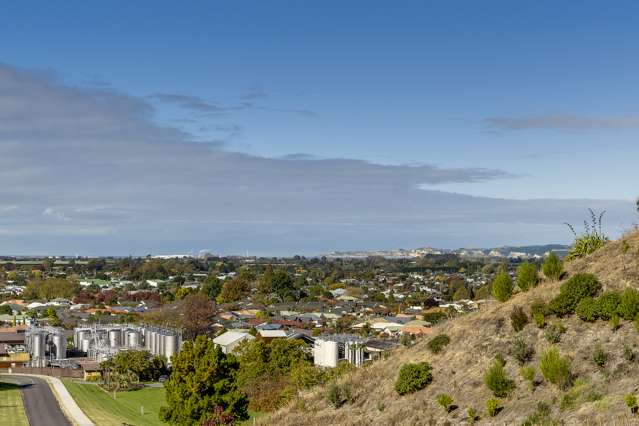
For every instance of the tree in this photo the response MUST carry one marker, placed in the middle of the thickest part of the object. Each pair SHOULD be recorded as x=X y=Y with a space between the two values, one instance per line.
x=552 y=267
x=197 y=312
x=211 y=286
x=235 y=289
x=527 y=276
x=202 y=383
x=502 y=287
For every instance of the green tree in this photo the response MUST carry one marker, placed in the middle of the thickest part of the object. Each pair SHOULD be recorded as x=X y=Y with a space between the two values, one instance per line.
x=527 y=276
x=203 y=382
x=502 y=287
x=211 y=286
x=552 y=267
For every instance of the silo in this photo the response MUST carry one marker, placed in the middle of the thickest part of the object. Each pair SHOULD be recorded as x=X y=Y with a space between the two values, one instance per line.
x=133 y=338
x=170 y=346
x=60 y=342
x=162 y=335
x=115 y=338
x=82 y=334
x=147 y=339
x=85 y=344
x=38 y=349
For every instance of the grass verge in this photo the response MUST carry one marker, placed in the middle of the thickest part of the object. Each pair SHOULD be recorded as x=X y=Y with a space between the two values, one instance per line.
x=104 y=410
x=11 y=408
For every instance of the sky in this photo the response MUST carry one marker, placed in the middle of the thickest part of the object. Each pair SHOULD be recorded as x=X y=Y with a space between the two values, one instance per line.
x=291 y=127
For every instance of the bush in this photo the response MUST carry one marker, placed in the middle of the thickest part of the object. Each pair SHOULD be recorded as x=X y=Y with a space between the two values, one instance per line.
x=554 y=331
x=518 y=318
x=552 y=267
x=497 y=381
x=614 y=323
x=338 y=395
x=528 y=374
x=540 y=320
x=607 y=305
x=407 y=339
x=413 y=377
x=628 y=354
x=527 y=276
x=446 y=401
x=631 y=402
x=538 y=311
x=437 y=343
x=629 y=304
x=540 y=417
x=572 y=291
x=590 y=240
x=555 y=368
x=502 y=287
x=493 y=406
x=599 y=356
x=472 y=415
x=587 y=309
x=521 y=351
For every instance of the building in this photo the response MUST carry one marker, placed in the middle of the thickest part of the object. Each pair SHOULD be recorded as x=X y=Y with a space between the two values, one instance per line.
x=228 y=341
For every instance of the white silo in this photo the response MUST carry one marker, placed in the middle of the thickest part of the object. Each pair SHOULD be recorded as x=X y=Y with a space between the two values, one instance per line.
x=115 y=338
x=60 y=342
x=170 y=346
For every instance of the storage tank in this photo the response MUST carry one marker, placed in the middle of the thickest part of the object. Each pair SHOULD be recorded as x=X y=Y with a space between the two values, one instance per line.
x=115 y=338
x=155 y=341
x=60 y=342
x=162 y=335
x=85 y=344
x=38 y=348
x=170 y=346
x=133 y=339
x=147 y=339
x=82 y=334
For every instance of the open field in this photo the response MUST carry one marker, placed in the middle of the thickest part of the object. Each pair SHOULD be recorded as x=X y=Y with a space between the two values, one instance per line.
x=100 y=406
x=11 y=407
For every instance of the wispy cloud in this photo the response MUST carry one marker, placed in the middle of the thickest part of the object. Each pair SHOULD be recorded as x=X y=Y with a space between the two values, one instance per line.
x=563 y=122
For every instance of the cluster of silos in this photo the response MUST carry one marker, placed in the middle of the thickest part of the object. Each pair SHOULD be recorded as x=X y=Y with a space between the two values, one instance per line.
x=44 y=344
x=105 y=340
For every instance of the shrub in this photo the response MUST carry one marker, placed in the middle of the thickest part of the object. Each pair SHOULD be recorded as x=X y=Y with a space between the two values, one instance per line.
x=493 y=406
x=555 y=368
x=614 y=323
x=552 y=267
x=497 y=381
x=572 y=291
x=437 y=343
x=522 y=351
x=406 y=339
x=590 y=240
x=413 y=377
x=629 y=304
x=587 y=309
x=446 y=401
x=628 y=354
x=540 y=320
x=631 y=402
x=599 y=356
x=540 y=417
x=472 y=415
x=518 y=318
x=607 y=305
x=528 y=373
x=338 y=395
x=527 y=276
x=554 y=331
x=502 y=287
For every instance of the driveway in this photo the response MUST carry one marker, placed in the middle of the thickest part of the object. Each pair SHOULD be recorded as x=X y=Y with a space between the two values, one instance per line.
x=39 y=402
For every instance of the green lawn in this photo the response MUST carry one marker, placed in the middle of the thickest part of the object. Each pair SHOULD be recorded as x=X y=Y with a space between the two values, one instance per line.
x=104 y=410
x=11 y=408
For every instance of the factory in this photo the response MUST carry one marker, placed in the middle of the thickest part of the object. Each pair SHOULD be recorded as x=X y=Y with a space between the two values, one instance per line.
x=102 y=341
x=99 y=342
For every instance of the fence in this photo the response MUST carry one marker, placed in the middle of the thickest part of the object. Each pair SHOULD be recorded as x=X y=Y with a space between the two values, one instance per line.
x=49 y=371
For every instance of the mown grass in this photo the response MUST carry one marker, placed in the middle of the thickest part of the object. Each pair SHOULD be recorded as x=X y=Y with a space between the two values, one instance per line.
x=104 y=410
x=11 y=407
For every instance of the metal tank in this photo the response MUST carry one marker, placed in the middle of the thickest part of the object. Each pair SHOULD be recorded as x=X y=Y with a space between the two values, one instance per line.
x=60 y=342
x=85 y=344
x=170 y=346
x=162 y=343
x=115 y=338
x=38 y=349
x=82 y=334
x=133 y=339
x=147 y=339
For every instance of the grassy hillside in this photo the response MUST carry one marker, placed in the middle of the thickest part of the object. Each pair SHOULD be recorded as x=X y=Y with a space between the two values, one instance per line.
x=103 y=410
x=596 y=397
x=11 y=407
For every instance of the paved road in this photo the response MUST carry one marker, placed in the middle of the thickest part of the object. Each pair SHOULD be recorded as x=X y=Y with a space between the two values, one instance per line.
x=39 y=402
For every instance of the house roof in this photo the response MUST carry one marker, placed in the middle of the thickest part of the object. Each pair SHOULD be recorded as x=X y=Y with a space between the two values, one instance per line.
x=231 y=337
x=272 y=333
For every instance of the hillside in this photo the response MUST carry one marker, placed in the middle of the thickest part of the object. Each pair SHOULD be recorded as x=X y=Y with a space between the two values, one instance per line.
x=475 y=339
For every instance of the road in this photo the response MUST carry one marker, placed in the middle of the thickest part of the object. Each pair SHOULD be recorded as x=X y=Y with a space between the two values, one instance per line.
x=39 y=402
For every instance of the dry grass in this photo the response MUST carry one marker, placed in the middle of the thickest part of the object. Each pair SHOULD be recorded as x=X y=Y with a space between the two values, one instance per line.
x=475 y=340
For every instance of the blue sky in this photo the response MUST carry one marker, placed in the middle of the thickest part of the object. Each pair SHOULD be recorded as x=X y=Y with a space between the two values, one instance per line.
x=369 y=103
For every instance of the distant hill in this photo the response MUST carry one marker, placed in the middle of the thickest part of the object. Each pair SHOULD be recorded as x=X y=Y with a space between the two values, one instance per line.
x=597 y=396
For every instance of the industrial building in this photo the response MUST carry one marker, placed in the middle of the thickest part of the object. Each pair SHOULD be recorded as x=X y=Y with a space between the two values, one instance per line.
x=99 y=342
x=103 y=341
x=329 y=350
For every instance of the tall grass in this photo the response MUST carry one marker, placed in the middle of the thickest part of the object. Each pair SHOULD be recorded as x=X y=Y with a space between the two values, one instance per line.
x=590 y=240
